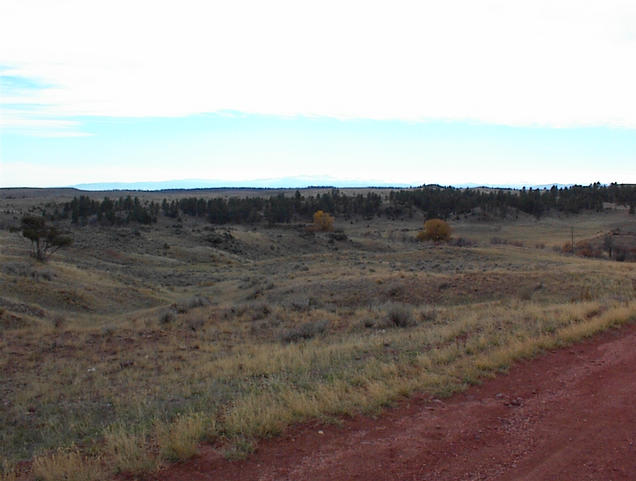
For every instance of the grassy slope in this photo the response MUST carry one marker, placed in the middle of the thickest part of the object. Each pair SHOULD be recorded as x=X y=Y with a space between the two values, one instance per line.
x=111 y=342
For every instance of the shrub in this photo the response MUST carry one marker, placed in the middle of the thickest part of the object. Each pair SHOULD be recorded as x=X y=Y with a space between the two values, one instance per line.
x=193 y=302
x=436 y=230
x=322 y=221
x=167 y=317
x=501 y=241
x=194 y=323
x=429 y=314
x=582 y=248
x=463 y=242
x=305 y=331
x=397 y=315
x=59 y=321
x=256 y=311
x=620 y=254
x=585 y=249
x=567 y=248
x=338 y=235
x=401 y=315
x=299 y=302
x=525 y=293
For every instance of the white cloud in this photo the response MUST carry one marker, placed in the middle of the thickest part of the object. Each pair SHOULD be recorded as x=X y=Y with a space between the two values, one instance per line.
x=557 y=63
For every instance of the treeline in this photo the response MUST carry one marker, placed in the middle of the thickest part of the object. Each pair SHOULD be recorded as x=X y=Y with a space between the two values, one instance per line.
x=445 y=202
x=110 y=212
x=431 y=201
x=275 y=209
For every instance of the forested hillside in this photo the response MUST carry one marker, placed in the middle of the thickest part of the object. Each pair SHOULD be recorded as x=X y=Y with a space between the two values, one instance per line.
x=431 y=201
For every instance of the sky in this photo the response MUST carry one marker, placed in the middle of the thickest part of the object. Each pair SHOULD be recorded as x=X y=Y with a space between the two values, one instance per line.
x=488 y=92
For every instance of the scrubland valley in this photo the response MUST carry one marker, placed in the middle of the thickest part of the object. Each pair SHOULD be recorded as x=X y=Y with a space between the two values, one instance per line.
x=129 y=348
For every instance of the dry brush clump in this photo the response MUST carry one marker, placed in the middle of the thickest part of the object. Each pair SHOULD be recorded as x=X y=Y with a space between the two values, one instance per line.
x=130 y=452
x=179 y=439
x=67 y=464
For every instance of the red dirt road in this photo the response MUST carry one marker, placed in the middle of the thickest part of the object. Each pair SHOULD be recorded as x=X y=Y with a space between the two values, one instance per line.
x=568 y=415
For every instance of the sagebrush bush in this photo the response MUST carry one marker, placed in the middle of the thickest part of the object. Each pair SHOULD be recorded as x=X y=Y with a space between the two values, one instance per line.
x=397 y=315
x=192 y=303
x=463 y=242
x=167 y=316
x=401 y=316
x=305 y=331
x=258 y=310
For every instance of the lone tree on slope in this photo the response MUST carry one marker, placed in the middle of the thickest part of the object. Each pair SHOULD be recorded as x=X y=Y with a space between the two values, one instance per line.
x=45 y=239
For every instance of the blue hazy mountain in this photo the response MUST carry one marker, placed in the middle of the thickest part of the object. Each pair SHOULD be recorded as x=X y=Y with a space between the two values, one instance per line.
x=277 y=183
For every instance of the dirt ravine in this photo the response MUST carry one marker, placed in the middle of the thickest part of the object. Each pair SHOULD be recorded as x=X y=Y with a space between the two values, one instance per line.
x=568 y=415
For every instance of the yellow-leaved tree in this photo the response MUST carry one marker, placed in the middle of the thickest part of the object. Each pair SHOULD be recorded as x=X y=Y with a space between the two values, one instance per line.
x=436 y=230
x=323 y=221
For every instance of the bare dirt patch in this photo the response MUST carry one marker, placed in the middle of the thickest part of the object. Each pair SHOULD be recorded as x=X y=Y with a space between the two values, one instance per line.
x=567 y=415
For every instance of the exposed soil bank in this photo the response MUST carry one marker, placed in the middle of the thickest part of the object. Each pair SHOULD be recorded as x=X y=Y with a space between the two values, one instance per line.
x=568 y=415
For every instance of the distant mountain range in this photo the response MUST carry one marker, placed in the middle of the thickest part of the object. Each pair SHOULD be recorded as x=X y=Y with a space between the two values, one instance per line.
x=275 y=183
x=512 y=186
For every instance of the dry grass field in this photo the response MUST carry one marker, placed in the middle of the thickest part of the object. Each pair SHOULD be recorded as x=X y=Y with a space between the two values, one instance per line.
x=134 y=345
